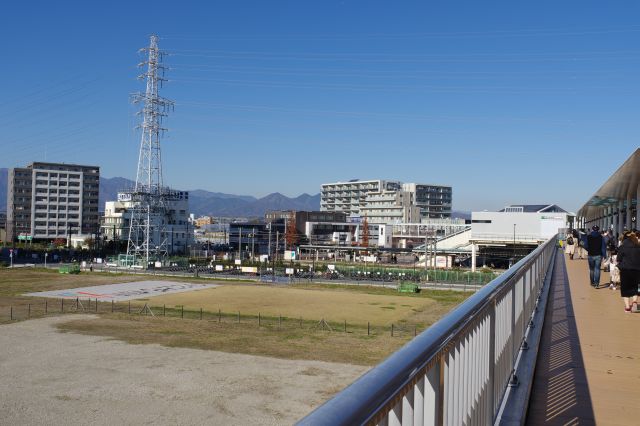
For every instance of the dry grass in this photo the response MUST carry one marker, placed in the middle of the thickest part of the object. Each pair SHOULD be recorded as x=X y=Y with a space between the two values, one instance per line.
x=317 y=303
x=290 y=342
x=293 y=340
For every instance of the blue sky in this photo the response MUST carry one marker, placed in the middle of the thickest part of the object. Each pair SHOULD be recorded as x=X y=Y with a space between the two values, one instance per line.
x=507 y=102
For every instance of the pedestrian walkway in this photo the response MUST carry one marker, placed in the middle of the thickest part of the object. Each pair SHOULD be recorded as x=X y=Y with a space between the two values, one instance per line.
x=588 y=369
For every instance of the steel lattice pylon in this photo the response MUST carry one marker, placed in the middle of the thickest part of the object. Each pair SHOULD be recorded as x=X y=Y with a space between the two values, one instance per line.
x=147 y=234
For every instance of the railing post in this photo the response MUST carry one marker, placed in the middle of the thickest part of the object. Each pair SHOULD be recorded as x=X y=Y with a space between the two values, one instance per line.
x=439 y=407
x=492 y=365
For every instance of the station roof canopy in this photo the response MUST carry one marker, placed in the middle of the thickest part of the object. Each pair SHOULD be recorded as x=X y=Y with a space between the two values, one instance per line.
x=622 y=183
x=537 y=208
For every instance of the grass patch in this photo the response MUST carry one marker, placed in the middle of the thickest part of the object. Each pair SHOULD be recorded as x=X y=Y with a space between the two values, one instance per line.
x=306 y=343
x=298 y=335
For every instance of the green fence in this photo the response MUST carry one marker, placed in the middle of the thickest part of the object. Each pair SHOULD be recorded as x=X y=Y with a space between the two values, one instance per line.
x=415 y=275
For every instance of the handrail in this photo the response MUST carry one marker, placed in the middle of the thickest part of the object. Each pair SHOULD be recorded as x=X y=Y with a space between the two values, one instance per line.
x=445 y=374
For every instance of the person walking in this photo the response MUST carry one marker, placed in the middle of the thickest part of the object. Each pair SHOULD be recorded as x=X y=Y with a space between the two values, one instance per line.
x=596 y=251
x=629 y=264
x=571 y=246
x=614 y=271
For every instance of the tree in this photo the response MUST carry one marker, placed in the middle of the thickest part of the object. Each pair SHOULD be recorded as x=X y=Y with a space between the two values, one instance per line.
x=291 y=233
x=60 y=242
x=89 y=243
x=365 y=232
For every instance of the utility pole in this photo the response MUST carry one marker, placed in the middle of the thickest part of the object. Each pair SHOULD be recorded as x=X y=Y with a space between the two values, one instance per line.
x=425 y=252
x=253 y=243
x=269 y=241
x=240 y=245
x=277 y=242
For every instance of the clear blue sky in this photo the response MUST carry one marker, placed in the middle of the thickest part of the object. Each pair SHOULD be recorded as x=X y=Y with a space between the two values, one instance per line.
x=508 y=102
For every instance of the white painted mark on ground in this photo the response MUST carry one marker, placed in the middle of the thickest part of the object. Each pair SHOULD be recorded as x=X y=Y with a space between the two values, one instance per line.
x=124 y=291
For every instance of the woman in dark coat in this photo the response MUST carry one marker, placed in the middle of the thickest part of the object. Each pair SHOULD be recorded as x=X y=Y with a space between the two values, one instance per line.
x=629 y=265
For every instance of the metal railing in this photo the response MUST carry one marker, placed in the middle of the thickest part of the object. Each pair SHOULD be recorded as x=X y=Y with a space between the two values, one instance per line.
x=455 y=372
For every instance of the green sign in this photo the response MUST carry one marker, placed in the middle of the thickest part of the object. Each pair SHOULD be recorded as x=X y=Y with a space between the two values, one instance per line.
x=25 y=237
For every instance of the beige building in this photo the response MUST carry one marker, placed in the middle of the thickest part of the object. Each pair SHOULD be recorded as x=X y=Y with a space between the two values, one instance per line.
x=204 y=220
x=46 y=201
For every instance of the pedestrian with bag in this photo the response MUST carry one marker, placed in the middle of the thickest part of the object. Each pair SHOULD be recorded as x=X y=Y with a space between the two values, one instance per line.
x=629 y=264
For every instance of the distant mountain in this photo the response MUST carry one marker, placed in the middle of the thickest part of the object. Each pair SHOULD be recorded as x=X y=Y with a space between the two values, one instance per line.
x=456 y=214
x=206 y=194
x=109 y=188
x=203 y=202
x=4 y=178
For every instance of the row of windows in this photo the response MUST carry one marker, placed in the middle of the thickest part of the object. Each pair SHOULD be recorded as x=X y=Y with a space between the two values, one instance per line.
x=50 y=224
x=60 y=175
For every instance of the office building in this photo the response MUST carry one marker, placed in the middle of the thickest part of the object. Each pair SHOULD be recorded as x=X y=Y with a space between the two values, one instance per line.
x=179 y=232
x=46 y=201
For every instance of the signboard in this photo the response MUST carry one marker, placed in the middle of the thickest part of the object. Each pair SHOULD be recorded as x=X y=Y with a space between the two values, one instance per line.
x=25 y=237
x=290 y=255
x=250 y=269
x=238 y=262
x=443 y=261
x=289 y=271
x=219 y=268
x=331 y=267
x=122 y=197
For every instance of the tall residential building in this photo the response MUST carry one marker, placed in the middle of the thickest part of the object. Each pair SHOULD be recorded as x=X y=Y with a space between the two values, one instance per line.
x=387 y=201
x=391 y=207
x=434 y=200
x=51 y=200
x=350 y=196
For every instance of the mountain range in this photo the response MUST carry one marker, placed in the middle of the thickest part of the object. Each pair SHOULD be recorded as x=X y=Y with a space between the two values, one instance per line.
x=203 y=202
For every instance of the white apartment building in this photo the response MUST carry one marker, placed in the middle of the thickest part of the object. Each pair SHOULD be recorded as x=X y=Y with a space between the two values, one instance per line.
x=391 y=207
x=350 y=196
x=46 y=201
x=179 y=231
x=387 y=201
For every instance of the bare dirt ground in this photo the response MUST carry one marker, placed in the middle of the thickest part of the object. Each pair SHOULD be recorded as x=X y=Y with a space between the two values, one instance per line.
x=50 y=377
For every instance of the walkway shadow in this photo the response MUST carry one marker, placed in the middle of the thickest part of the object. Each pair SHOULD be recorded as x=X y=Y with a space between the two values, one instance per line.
x=560 y=393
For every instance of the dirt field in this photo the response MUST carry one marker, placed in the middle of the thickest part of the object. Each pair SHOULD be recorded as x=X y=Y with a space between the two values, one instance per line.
x=332 y=305
x=50 y=377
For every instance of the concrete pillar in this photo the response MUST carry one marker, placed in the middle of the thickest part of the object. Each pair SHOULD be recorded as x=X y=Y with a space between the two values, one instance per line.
x=473 y=257
x=620 y=218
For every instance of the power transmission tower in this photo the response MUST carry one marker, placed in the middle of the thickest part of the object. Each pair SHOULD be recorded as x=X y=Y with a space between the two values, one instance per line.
x=147 y=233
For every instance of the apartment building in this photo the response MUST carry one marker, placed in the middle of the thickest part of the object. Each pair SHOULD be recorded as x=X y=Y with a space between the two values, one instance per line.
x=391 y=207
x=387 y=201
x=52 y=200
x=434 y=201
x=349 y=197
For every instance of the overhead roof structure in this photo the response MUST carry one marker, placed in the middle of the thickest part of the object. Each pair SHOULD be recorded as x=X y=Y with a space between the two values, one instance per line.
x=621 y=185
x=537 y=208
